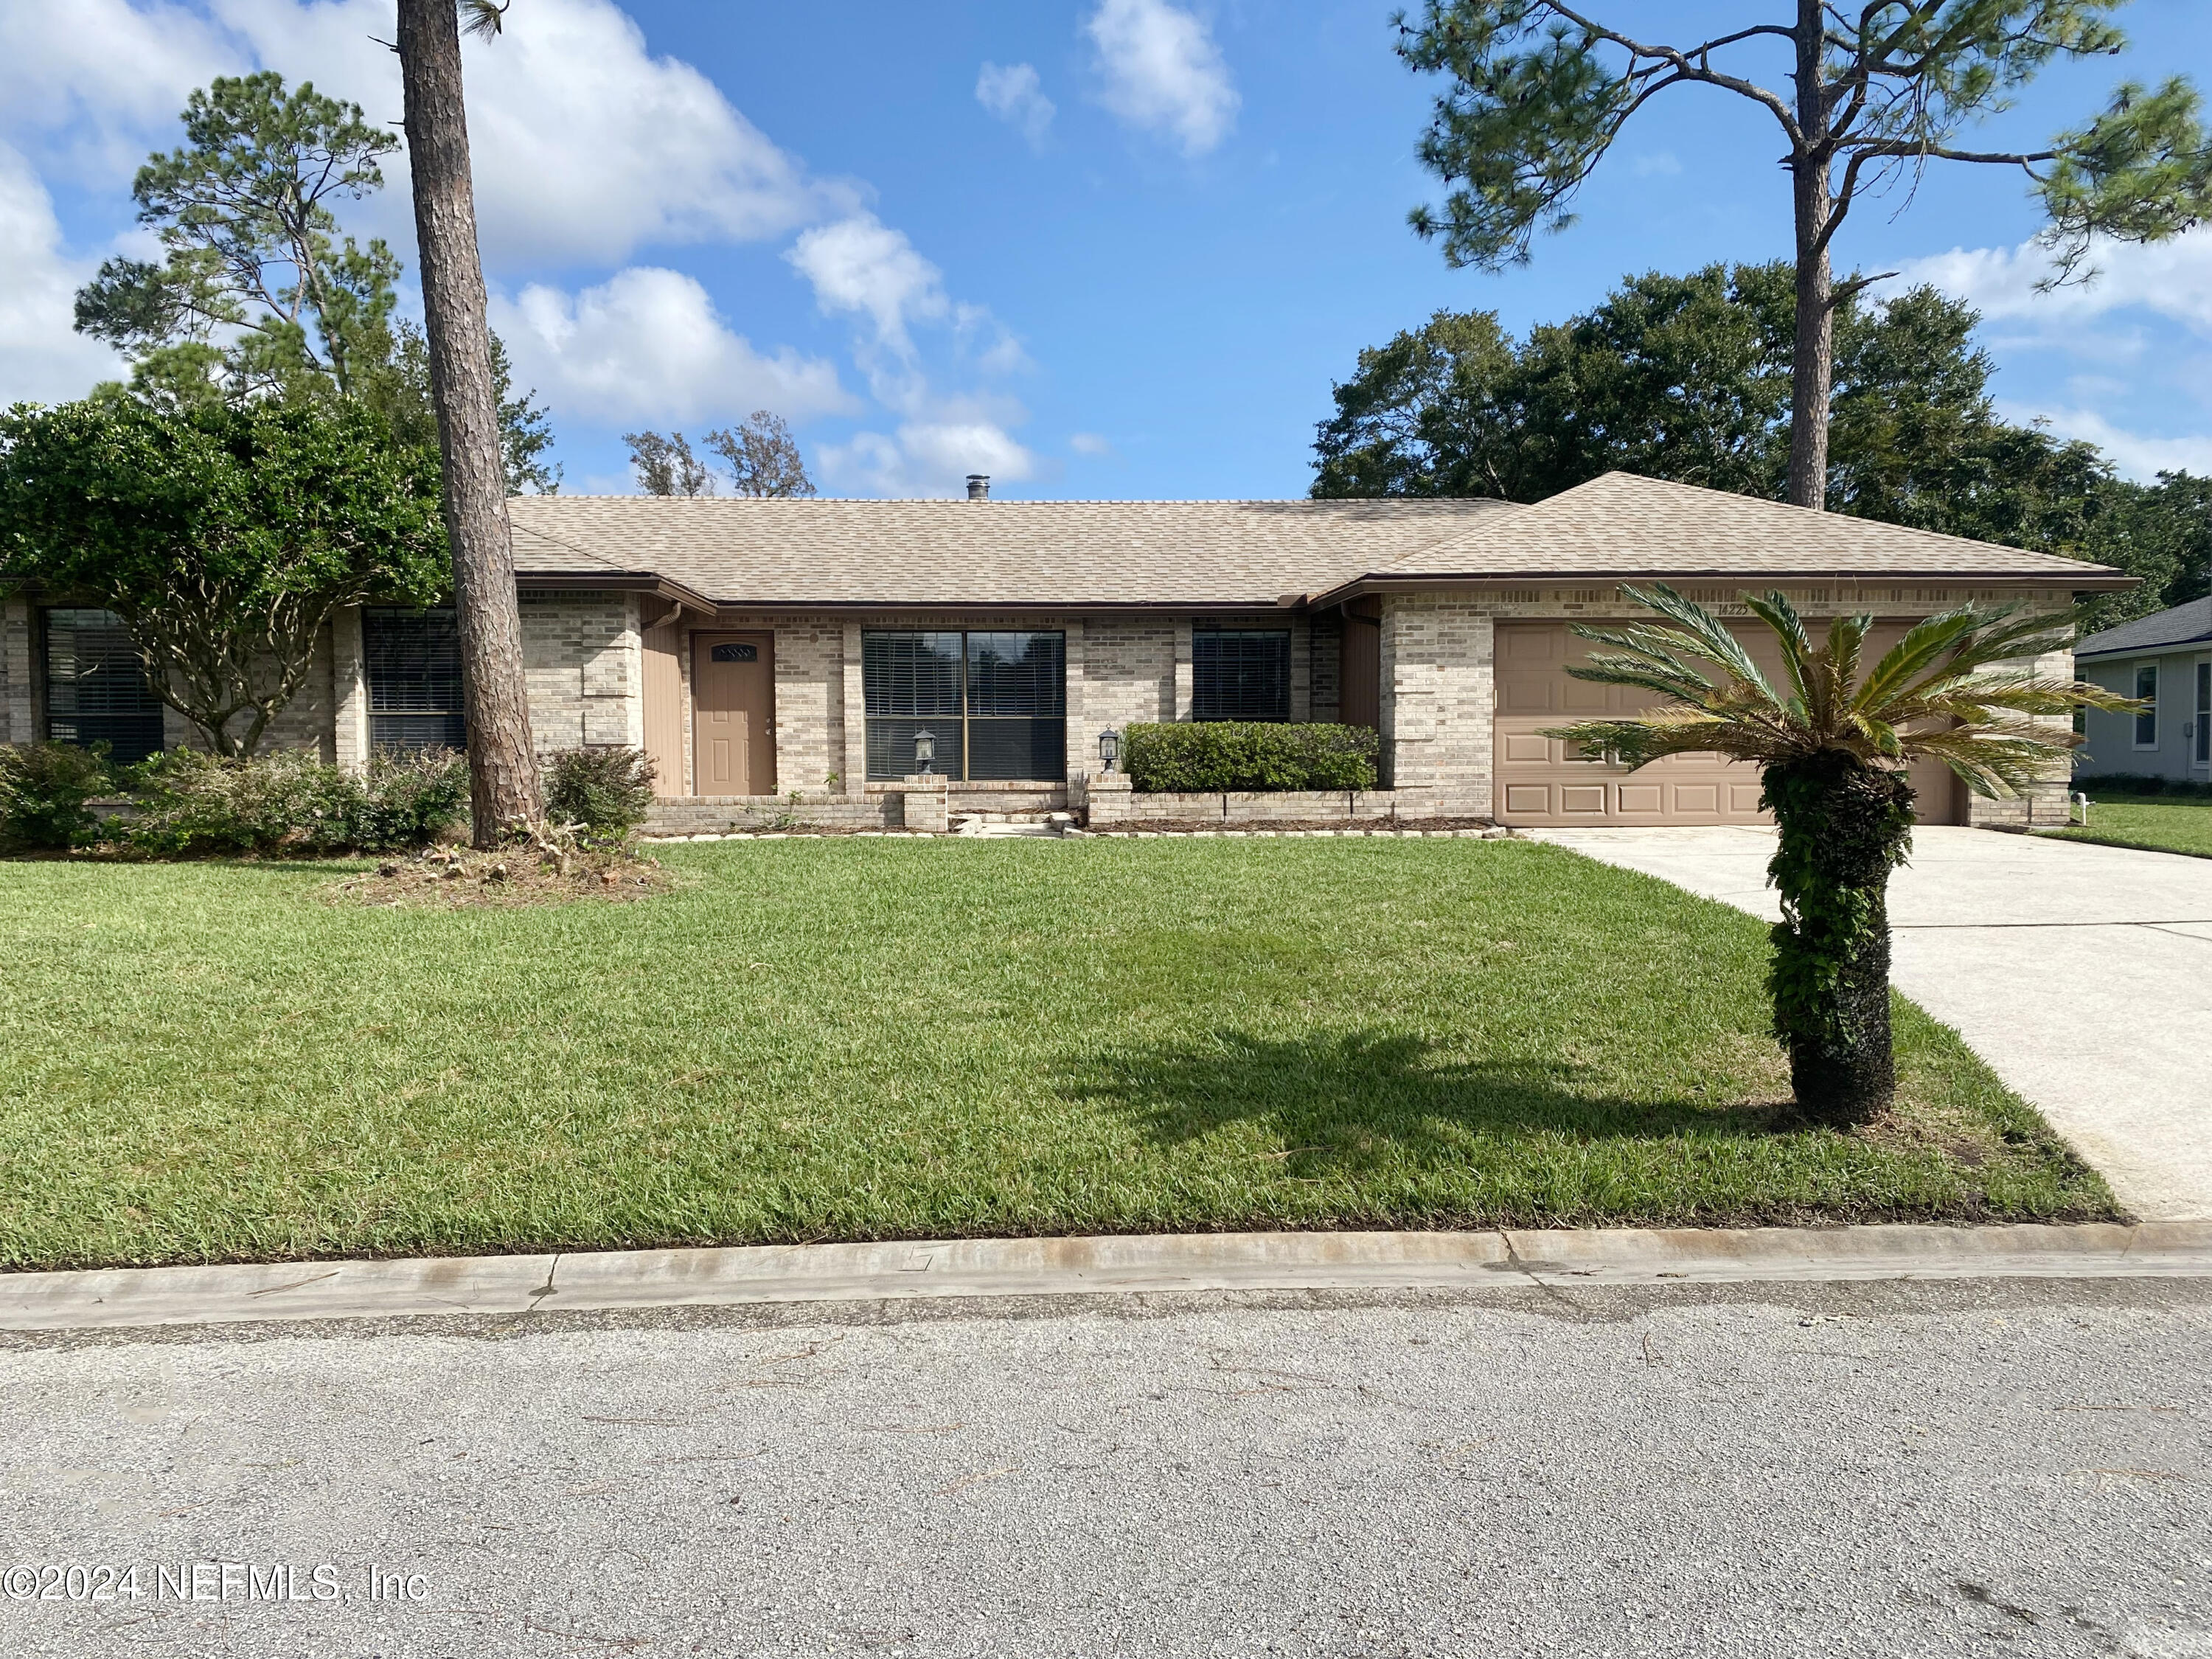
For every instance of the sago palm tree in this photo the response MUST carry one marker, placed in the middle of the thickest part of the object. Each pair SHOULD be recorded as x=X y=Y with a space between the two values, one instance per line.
x=1833 y=742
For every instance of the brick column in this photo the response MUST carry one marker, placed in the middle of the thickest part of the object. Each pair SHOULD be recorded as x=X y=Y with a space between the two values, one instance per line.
x=1182 y=678
x=1081 y=741
x=855 y=764
x=350 y=720
x=19 y=708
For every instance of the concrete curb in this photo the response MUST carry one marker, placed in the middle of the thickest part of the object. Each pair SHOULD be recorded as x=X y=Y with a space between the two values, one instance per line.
x=1134 y=1264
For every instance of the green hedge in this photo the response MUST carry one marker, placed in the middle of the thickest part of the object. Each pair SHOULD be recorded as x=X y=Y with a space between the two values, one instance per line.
x=1191 y=756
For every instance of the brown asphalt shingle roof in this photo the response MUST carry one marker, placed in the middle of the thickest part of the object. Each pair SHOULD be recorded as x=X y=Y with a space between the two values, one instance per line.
x=1622 y=524
x=1197 y=553
x=1204 y=554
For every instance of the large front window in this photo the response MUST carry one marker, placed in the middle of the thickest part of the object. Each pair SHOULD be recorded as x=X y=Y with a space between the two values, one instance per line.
x=1240 y=674
x=96 y=689
x=982 y=705
x=414 y=664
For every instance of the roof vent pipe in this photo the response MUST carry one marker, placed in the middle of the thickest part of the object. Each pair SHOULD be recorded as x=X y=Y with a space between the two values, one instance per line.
x=979 y=486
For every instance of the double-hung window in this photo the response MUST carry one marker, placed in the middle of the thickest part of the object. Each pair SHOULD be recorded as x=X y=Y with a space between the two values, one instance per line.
x=414 y=664
x=2147 y=716
x=96 y=689
x=1240 y=674
x=986 y=704
x=2204 y=714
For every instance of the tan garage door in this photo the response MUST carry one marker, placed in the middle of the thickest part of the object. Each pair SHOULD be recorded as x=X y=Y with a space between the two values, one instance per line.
x=1537 y=785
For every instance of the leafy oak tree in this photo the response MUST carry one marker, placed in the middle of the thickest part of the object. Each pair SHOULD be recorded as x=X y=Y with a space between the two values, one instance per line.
x=1869 y=92
x=1688 y=378
x=225 y=536
x=763 y=455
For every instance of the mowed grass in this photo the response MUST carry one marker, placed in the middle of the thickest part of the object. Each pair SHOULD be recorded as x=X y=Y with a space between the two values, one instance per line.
x=860 y=1039
x=2162 y=824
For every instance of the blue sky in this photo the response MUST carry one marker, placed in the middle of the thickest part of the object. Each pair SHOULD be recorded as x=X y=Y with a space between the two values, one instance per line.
x=1103 y=248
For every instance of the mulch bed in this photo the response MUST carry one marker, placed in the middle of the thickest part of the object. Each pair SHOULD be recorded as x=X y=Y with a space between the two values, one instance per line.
x=460 y=879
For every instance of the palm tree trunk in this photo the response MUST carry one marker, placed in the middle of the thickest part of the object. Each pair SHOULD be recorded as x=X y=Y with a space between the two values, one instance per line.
x=1845 y=826
x=1813 y=367
x=502 y=763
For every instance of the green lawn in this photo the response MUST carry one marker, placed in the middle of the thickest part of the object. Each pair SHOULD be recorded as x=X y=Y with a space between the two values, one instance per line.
x=2164 y=823
x=851 y=1039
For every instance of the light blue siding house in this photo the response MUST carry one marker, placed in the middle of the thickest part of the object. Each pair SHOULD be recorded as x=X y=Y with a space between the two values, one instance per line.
x=2165 y=660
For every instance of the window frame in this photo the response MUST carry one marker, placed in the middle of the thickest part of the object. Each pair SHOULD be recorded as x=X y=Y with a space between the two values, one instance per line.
x=456 y=715
x=2150 y=714
x=2201 y=751
x=1217 y=633
x=150 y=716
x=962 y=724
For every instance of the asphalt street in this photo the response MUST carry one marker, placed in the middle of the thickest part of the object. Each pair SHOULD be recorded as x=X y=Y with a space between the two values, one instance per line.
x=1973 y=1467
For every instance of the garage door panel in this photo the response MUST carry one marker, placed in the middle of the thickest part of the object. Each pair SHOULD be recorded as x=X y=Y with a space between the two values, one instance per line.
x=1540 y=780
x=1534 y=799
x=1582 y=800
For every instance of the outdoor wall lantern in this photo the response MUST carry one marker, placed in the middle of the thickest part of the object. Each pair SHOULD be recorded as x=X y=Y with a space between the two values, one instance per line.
x=925 y=753
x=1109 y=748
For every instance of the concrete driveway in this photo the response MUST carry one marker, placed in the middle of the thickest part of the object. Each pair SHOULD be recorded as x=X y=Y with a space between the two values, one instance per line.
x=2082 y=974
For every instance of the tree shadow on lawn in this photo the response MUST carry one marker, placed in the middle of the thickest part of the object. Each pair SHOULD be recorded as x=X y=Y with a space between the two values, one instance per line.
x=1363 y=1098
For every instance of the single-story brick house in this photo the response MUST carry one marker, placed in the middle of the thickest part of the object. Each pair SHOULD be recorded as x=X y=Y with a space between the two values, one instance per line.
x=763 y=648
x=2166 y=660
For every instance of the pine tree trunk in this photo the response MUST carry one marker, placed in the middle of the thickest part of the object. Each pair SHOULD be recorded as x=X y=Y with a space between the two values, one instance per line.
x=1845 y=826
x=502 y=763
x=1813 y=367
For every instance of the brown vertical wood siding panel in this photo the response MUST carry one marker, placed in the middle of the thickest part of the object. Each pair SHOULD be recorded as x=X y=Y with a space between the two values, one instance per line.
x=664 y=706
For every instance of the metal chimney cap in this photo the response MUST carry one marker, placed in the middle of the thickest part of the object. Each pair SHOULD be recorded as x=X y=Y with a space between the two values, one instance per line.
x=979 y=486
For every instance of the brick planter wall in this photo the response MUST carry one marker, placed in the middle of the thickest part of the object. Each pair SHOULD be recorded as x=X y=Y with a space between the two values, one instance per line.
x=1110 y=800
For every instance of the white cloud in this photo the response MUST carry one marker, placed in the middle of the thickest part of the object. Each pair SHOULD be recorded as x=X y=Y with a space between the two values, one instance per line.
x=862 y=265
x=1163 y=72
x=1014 y=95
x=926 y=458
x=42 y=358
x=2135 y=455
x=1090 y=443
x=93 y=82
x=649 y=345
x=585 y=146
x=2172 y=279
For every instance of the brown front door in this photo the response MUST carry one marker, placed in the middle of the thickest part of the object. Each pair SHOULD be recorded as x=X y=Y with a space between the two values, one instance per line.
x=733 y=713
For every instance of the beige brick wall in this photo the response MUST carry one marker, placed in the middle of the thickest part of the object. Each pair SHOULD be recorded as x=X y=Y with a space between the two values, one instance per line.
x=306 y=722
x=582 y=660
x=1129 y=676
x=19 y=710
x=1438 y=693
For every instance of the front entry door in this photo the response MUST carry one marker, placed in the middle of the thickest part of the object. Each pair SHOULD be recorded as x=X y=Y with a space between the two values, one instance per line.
x=733 y=713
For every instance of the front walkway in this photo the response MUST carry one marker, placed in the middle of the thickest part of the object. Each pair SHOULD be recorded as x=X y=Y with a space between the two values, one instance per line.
x=2082 y=974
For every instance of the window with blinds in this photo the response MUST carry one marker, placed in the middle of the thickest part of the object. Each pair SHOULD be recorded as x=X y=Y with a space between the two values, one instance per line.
x=993 y=704
x=414 y=667
x=1240 y=674
x=96 y=689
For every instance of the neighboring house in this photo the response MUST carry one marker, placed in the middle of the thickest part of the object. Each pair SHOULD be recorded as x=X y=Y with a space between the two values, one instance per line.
x=759 y=647
x=2165 y=660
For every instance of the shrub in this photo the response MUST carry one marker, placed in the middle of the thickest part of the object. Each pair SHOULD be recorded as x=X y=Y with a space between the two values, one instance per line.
x=190 y=804
x=608 y=791
x=2136 y=783
x=410 y=799
x=43 y=787
x=1249 y=755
